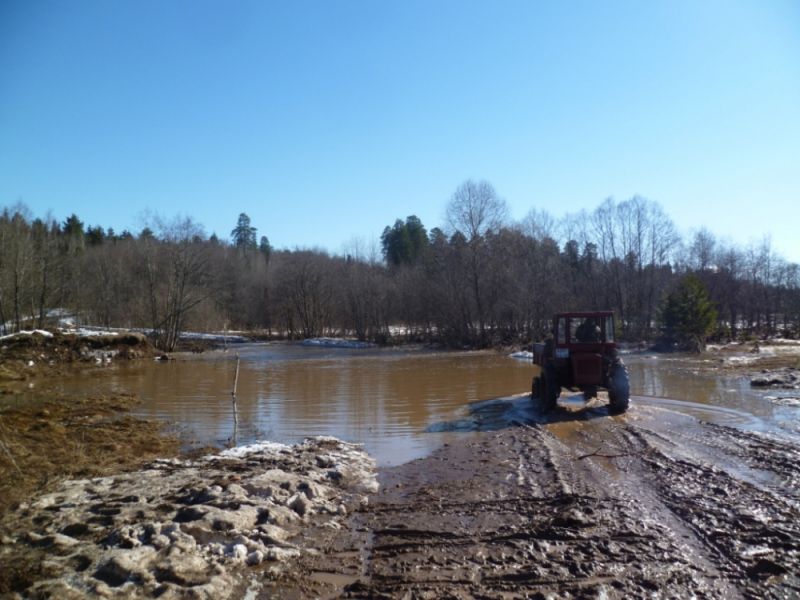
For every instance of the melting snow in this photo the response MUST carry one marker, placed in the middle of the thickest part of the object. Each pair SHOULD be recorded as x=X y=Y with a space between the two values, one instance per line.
x=41 y=332
x=327 y=342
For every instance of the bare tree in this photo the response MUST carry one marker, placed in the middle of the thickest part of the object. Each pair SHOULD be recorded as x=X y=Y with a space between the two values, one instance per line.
x=16 y=265
x=702 y=249
x=175 y=275
x=304 y=282
x=538 y=224
x=475 y=209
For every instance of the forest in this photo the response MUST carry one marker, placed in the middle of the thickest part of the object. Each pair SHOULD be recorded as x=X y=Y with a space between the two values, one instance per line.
x=479 y=279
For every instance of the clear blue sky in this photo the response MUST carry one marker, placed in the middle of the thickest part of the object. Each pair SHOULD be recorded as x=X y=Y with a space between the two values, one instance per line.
x=328 y=120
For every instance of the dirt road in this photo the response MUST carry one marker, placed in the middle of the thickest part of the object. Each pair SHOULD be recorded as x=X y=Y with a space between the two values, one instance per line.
x=649 y=504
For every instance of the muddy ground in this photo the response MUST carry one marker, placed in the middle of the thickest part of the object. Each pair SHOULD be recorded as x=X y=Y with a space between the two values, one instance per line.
x=572 y=505
x=648 y=504
x=651 y=504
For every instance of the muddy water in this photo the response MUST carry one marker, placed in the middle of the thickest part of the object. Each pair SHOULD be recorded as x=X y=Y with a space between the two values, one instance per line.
x=383 y=398
x=675 y=382
x=400 y=404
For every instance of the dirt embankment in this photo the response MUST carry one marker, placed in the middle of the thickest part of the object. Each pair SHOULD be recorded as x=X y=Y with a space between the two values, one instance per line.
x=645 y=505
x=28 y=355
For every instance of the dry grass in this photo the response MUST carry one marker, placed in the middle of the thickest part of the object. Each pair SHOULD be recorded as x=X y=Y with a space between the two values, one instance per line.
x=57 y=439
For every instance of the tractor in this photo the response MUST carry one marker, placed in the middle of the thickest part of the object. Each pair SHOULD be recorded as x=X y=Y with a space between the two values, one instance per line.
x=580 y=355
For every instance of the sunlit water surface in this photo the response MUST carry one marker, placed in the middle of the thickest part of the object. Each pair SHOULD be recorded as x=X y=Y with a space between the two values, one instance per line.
x=398 y=403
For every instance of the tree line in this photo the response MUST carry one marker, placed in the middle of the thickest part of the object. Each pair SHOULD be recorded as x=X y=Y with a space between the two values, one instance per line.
x=478 y=279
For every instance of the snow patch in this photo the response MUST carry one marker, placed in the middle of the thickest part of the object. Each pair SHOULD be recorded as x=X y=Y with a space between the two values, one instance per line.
x=25 y=333
x=740 y=360
x=198 y=524
x=257 y=447
x=86 y=332
x=213 y=337
x=327 y=342
x=522 y=355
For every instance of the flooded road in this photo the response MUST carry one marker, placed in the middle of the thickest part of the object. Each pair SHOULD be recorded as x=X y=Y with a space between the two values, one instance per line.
x=401 y=404
x=691 y=493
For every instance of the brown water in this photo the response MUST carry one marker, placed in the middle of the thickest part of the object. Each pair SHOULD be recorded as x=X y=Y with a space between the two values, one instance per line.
x=383 y=398
x=400 y=404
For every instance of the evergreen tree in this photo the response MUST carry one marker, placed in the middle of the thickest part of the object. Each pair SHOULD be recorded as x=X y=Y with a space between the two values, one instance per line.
x=417 y=236
x=265 y=248
x=73 y=226
x=73 y=235
x=95 y=236
x=244 y=235
x=405 y=242
x=688 y=316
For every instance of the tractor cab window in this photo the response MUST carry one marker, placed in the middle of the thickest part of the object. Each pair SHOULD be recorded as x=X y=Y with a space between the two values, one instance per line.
x=562 y=331
x=587 y=330
x=609 y=329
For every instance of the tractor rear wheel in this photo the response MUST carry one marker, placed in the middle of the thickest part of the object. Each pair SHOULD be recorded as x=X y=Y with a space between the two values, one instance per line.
x=550 y=389
x=619 y=391
x=536 y=388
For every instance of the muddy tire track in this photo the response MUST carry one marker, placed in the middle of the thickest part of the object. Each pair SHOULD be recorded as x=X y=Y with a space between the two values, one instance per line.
x=750 y=532
x=580 y=509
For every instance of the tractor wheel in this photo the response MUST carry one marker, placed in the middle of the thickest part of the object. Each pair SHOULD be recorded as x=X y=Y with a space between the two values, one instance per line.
x=619 y=391
x=536 y=388
x=550 y=389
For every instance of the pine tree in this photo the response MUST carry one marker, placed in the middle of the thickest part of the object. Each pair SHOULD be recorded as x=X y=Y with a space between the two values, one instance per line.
x=244 y=236
x=404 y=243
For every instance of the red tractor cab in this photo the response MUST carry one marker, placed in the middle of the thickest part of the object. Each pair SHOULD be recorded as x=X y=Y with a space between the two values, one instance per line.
x=581 y=355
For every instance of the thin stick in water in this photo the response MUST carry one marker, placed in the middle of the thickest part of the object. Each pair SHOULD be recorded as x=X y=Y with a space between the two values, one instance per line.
x=233 y=401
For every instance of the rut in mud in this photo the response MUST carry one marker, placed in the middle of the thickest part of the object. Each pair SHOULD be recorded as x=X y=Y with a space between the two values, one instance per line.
x=608 y=507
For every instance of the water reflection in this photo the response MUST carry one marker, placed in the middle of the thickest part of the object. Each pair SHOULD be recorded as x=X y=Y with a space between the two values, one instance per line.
x=382 y=398
x=390 y=400
x=676 y=377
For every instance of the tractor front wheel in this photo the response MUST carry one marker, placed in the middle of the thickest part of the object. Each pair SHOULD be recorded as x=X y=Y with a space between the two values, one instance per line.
x=619 y=391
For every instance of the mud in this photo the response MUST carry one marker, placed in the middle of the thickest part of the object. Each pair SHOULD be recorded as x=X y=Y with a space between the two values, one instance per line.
x=649 y=504
x=786 y=378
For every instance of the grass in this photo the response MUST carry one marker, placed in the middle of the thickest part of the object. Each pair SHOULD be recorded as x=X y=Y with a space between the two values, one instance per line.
x=57 y=438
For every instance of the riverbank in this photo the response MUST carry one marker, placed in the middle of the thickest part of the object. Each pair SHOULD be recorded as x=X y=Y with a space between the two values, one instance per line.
x=42 y=354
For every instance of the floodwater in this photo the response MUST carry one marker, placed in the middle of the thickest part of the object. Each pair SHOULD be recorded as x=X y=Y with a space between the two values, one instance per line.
x=398 y=403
